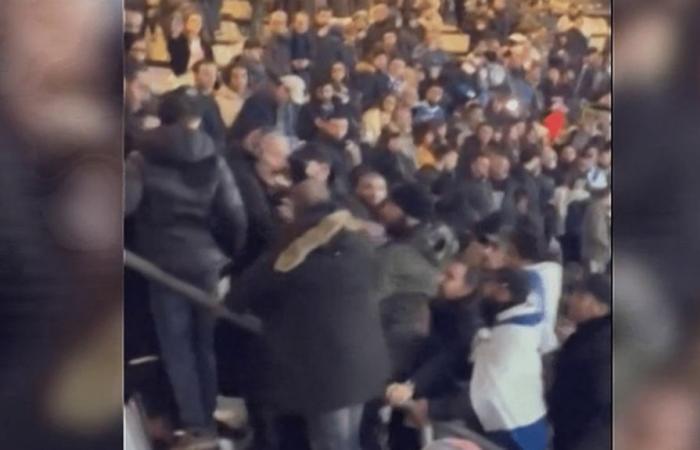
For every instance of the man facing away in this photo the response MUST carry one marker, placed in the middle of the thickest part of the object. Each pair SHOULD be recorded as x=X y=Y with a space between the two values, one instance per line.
x=180 y=184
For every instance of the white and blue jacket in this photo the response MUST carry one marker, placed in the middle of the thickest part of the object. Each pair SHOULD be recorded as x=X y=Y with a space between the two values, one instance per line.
x=506 y=389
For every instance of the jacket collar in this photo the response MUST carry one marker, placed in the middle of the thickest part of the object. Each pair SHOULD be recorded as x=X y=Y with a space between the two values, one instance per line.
x=321 y=234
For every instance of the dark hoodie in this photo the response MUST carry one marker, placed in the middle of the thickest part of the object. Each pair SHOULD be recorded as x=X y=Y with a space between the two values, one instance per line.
x=188 y=192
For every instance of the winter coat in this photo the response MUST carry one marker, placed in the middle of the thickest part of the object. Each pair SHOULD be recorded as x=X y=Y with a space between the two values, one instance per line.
x=187 y=193
x=259 y=110
x=322 y=348
x=580 y=400
x=259 y=206
x=454 y=324
x=277 y=56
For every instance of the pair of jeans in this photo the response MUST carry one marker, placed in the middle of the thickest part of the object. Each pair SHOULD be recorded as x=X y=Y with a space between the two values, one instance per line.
x=336 y=430
x=186 y=337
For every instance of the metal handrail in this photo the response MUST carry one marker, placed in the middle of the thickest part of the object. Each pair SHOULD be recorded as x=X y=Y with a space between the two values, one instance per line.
x=200 y=298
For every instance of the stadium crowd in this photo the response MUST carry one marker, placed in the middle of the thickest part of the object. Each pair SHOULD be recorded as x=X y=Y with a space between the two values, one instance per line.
x=424 y=236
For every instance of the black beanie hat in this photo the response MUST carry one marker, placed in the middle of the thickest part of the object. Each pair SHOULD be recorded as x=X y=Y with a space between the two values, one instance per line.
x=599 y=286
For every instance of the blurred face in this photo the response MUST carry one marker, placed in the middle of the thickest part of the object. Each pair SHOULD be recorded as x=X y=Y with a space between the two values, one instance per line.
x=582 y=306
x=282 y=94
x=193 y=25
x=137 y=92
x=138 y=50
x=480 y=168
x=278 y=22
x=380 y=62
x=568 y=154
x=605 y=159
x=372 y=189
x=394 y=145
x=453 y=283
x=301 y=23
x=274 y=151
x=325 y=93
x=397 y=68
x=500 y=168
x=338 y=128
x=239 y=79
x=389 y=104
x=496 y=293
x=485 y=134
x=404 y=119
x=389 y=40
x=494 y=256
x=549 y=158
x=205 y=78
x=554 y=75
x=434 y=95
x=381 y=13
x=323 y=18
x=338 y=72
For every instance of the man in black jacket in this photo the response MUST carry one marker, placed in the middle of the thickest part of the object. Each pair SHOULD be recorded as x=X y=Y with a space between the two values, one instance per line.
x=322 y=355
x=178 y=186
x=455 y=319
x=580 y=401
x=205 y=77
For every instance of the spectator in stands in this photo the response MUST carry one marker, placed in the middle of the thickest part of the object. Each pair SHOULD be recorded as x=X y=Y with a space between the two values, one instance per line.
x=470 y=198
x=206 y=75
x=187 y=43
x=277 y=55
x=267 y=108
x=173 y=224
x=138 y=50
x=233 y=92
x=313 y=293
x=431 y=109
x=252 y=59
x=314 y=115
x=301 y=45
x=328 y=43
x=596 y=246
x=375 y=119
x=506 y=387
x=261 y=176
x=389 y=160
x=580 y=400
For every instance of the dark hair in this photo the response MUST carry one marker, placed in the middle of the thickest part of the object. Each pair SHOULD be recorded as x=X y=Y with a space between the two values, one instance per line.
x=526 y=243
x=302 y=157
x=362 y=171
x=421 y=130
x=202 y=62
x=132 y=69
x=388 y=133
x=226 y=71
x=182 y=103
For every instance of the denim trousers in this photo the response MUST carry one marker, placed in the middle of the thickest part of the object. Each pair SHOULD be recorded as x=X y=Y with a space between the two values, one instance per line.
x=336 y=430
x=186 y=338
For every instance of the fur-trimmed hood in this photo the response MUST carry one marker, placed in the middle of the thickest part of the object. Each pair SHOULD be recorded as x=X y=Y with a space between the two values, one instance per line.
x=315 y=237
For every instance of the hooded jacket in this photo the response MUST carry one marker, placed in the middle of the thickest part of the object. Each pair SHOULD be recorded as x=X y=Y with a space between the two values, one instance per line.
x=322 y=349
x=188 y=196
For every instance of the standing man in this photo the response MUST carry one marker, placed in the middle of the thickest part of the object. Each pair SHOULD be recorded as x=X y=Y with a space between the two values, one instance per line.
x=322 y=354
x=580 y=400
x=180 y=185
x=206 y=74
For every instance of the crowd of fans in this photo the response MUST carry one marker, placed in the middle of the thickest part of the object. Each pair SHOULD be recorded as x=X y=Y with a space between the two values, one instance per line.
x=424 y=236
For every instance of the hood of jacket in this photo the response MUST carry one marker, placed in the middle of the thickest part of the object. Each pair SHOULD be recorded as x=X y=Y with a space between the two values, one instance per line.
x=315 y=237
x=177 y=144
